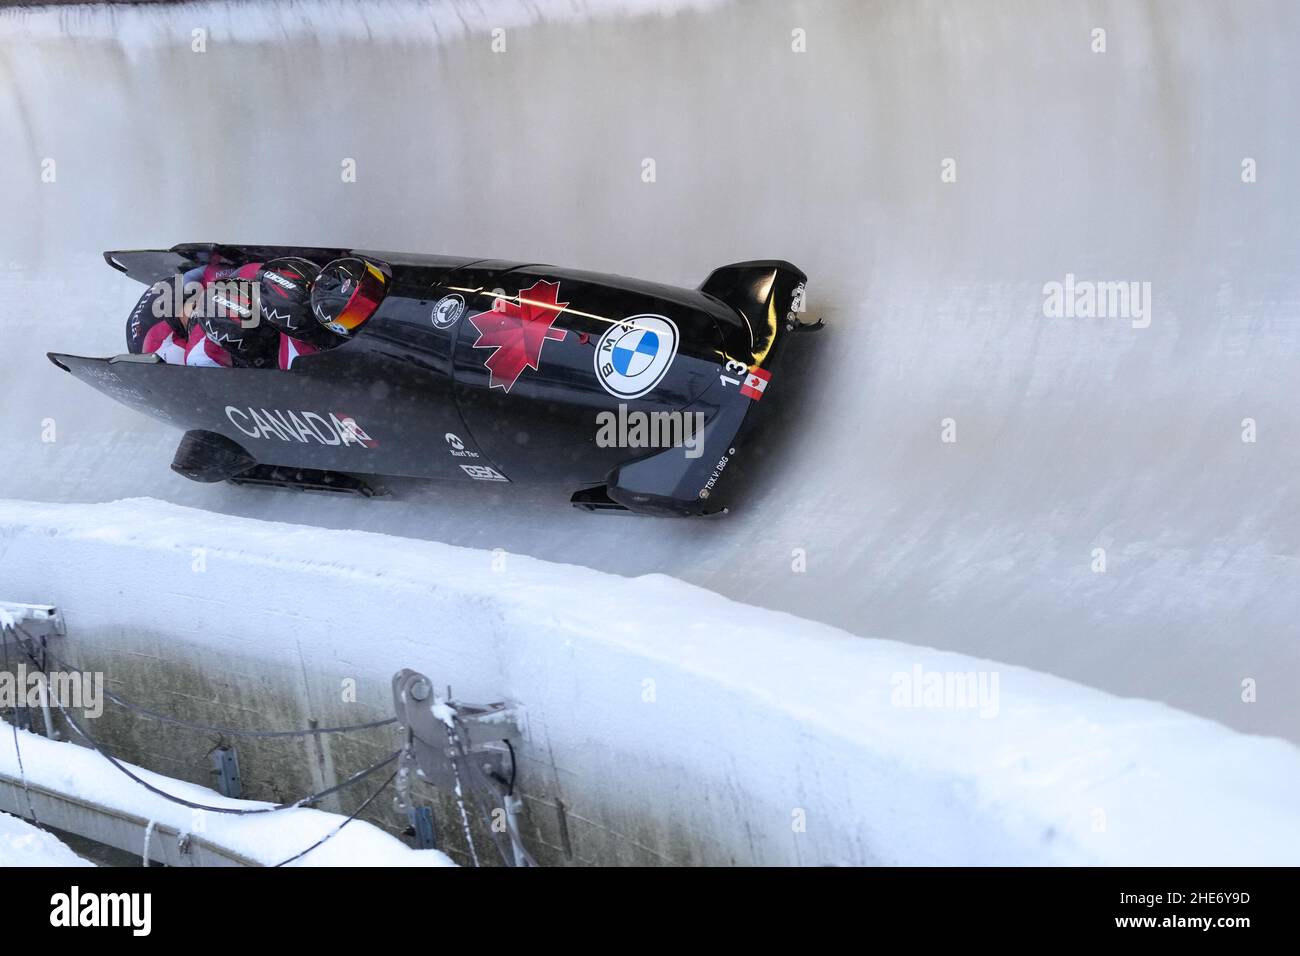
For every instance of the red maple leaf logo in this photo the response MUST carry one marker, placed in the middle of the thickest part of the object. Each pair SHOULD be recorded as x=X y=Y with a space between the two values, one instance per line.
x=517 y=329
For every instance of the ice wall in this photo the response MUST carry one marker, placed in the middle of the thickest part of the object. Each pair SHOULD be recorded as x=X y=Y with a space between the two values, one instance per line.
x=1072 y=434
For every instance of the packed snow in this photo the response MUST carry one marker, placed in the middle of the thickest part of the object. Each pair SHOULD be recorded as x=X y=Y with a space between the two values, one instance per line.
x=659 y=708
x=267 y=838
x=22 y=844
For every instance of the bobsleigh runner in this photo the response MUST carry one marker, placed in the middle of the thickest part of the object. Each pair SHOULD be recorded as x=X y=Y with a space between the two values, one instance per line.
x=469 y=369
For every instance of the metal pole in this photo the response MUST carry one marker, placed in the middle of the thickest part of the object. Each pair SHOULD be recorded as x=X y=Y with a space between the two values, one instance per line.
x=45 y=707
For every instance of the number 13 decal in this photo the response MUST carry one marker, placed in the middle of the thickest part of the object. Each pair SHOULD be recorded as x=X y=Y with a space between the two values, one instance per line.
x=733 y=368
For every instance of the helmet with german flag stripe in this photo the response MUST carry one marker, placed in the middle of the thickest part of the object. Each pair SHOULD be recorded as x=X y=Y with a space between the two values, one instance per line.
x=347 y=292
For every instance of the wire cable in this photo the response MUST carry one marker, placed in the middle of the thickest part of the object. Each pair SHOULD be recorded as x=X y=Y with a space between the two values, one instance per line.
x=234 y=811
x=477 y=789
x=339 y=829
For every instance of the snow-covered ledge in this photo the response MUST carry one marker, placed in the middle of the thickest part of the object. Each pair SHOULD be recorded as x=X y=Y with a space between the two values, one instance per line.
x=75 y=789
x=675 y=724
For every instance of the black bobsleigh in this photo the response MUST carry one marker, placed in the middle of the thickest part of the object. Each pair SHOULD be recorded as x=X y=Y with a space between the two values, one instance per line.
x=482 y=370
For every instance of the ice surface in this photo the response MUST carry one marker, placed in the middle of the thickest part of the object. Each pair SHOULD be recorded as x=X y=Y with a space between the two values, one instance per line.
x=1072 y=434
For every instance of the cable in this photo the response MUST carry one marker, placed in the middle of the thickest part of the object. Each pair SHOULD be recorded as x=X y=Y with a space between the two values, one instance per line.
x=232 y=732
x=225 y=731
x=313 y=798
x=335 y=832
x=476 y=788
x=235 y=811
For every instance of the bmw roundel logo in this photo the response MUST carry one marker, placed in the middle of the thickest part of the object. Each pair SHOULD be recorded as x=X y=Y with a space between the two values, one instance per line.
x=447 y=310
x=633 y=356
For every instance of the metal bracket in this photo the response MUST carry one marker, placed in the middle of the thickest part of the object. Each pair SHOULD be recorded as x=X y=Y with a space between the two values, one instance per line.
x=422 y=828
x=38 y=623
x=801 y=326
x=38 y=620
x=435 y=730
x=225 y=766
x=443 y=738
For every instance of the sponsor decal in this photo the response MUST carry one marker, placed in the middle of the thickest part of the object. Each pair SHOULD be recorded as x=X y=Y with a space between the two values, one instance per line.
x=483 y=473
x=796 y=304
x=138 y=329
x=457 y=447
x=304 y=427
x=516 y=329
x=284 y=282
x=447 y=311
x=717 y=473
x=106 y=380
x=756 y=383
x=633 y=356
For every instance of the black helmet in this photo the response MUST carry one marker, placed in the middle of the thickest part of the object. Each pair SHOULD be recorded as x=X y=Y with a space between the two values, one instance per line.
x=286 y=300
x=154 y=306
x=231 y=318
x=347 y=292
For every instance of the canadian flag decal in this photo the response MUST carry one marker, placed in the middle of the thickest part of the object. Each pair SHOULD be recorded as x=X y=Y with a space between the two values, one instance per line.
x=755 y=383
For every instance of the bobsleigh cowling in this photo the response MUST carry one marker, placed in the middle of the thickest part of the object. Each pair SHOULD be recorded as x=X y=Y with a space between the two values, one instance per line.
x=490 y=371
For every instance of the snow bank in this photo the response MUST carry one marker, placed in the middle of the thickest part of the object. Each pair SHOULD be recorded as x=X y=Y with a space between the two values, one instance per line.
x=22 y=844
x=671 y=723
x=267 y=838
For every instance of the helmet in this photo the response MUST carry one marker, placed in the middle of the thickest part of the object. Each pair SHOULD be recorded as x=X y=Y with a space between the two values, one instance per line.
x=148 y=312
x=286 y=300
x=347 y=292
x=232 y=320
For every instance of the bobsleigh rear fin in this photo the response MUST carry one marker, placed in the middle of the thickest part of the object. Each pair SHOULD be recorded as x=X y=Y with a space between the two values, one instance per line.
x=151 y=265
x=765 y=292
x=148 y=265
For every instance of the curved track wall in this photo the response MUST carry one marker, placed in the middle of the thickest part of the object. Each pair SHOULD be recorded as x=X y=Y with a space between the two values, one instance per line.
x=1072 y=434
